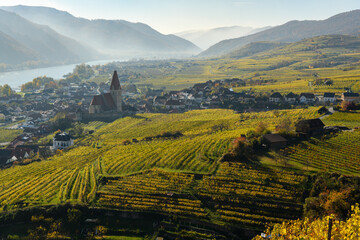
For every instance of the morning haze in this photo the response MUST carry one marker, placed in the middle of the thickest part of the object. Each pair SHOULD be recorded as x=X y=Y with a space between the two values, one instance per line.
x=195 y=120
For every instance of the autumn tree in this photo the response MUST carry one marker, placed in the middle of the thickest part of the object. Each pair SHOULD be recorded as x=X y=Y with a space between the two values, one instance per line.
x=347 y=106
x=285 y=126
x=6 y=91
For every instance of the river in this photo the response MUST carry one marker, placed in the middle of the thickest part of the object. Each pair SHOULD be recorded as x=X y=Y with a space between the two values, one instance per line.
x=16 y=78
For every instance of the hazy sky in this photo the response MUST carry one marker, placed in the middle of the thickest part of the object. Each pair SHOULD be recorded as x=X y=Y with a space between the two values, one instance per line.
x=170 y=16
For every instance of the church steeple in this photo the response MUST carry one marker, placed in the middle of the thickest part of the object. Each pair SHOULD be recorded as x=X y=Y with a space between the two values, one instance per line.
x=115 y=91
x=115 y=83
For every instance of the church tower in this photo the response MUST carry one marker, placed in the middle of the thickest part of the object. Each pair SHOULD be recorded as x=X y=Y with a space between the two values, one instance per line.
x=115 y=91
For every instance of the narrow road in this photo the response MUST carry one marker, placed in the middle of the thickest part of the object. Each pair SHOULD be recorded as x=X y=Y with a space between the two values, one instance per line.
x=331 y=111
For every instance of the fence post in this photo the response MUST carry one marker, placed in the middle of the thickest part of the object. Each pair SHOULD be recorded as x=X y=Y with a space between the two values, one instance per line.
x=330 y=227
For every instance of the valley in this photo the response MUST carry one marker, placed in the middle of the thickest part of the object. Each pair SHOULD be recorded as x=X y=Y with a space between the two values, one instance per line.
x=256 y=137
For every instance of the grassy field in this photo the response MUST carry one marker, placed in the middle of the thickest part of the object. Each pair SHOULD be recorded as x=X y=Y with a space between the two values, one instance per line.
x=350 y=120
x=7 y=135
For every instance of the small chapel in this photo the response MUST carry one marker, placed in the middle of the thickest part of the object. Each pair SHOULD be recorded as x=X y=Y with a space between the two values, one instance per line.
x=108 y=102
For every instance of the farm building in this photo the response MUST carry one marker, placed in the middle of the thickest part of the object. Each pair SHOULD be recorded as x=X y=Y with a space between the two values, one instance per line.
x=274 y=141
x=310 y=127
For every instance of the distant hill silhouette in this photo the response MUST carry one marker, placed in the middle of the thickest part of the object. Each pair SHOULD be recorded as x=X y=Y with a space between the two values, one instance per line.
x=23 y=41
x=207 y=38
x=344 y=23
x=112 y=37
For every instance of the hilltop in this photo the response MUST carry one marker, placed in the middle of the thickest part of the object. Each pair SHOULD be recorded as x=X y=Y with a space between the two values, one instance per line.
x=206 y=38
x=345 y=23
x=33 y=44
x=115 y=38
x=266 y=66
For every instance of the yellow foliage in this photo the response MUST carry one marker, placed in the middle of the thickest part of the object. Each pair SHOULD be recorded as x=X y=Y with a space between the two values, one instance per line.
x=318 y=229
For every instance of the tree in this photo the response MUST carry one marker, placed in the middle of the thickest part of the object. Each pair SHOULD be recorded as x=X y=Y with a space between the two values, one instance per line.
x=240 y=149
x=61 y=122
x=347 y=106
x=6 y=91
x=284 y=126
x=83 y=71
x=262 y=128
x=74 y=215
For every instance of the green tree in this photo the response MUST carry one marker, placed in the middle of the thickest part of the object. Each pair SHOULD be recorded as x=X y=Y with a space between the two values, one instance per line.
x=6 y=91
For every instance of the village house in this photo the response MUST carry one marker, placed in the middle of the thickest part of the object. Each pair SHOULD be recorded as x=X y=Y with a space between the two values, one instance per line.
x=275 y=97
x=306 y=98
x=350 y=97
x=291 y=97
x=249 y=98
x=329 y=97
x=5 y=155
x=62 y=140
x=159 y=101
x=174 y=104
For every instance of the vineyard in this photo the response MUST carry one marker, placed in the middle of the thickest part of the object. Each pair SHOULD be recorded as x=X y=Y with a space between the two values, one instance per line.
x=350 y=120
x=245 y=194
x=340 y=153
x=285 y=69
x=138 y=164
x=252 y=194
x=7 y=135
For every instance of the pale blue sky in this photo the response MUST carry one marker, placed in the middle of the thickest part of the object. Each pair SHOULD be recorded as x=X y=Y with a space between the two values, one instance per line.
x=170 y=16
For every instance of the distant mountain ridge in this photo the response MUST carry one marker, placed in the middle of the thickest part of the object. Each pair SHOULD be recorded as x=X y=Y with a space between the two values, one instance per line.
x=23 y=42
x=207 y=38
x=111 y=37
x=347 y=23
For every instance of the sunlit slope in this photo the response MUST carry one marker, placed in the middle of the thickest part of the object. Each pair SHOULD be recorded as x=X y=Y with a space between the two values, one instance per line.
x=284 y=68
x=72 y=174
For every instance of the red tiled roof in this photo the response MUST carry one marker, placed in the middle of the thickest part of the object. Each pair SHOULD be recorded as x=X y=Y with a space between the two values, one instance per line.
x=115 y=83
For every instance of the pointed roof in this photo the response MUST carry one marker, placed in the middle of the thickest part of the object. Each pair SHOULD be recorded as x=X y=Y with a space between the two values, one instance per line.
x=276 y=95
x=115 y=83
x=291 y=95
x=97 y=100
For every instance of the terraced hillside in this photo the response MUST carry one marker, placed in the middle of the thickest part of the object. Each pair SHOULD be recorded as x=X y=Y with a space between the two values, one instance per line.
x=132 y=164
x=238 y=194
x=335 y=152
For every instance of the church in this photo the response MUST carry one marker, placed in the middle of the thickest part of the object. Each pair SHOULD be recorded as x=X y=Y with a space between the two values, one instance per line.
x=108 y=102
